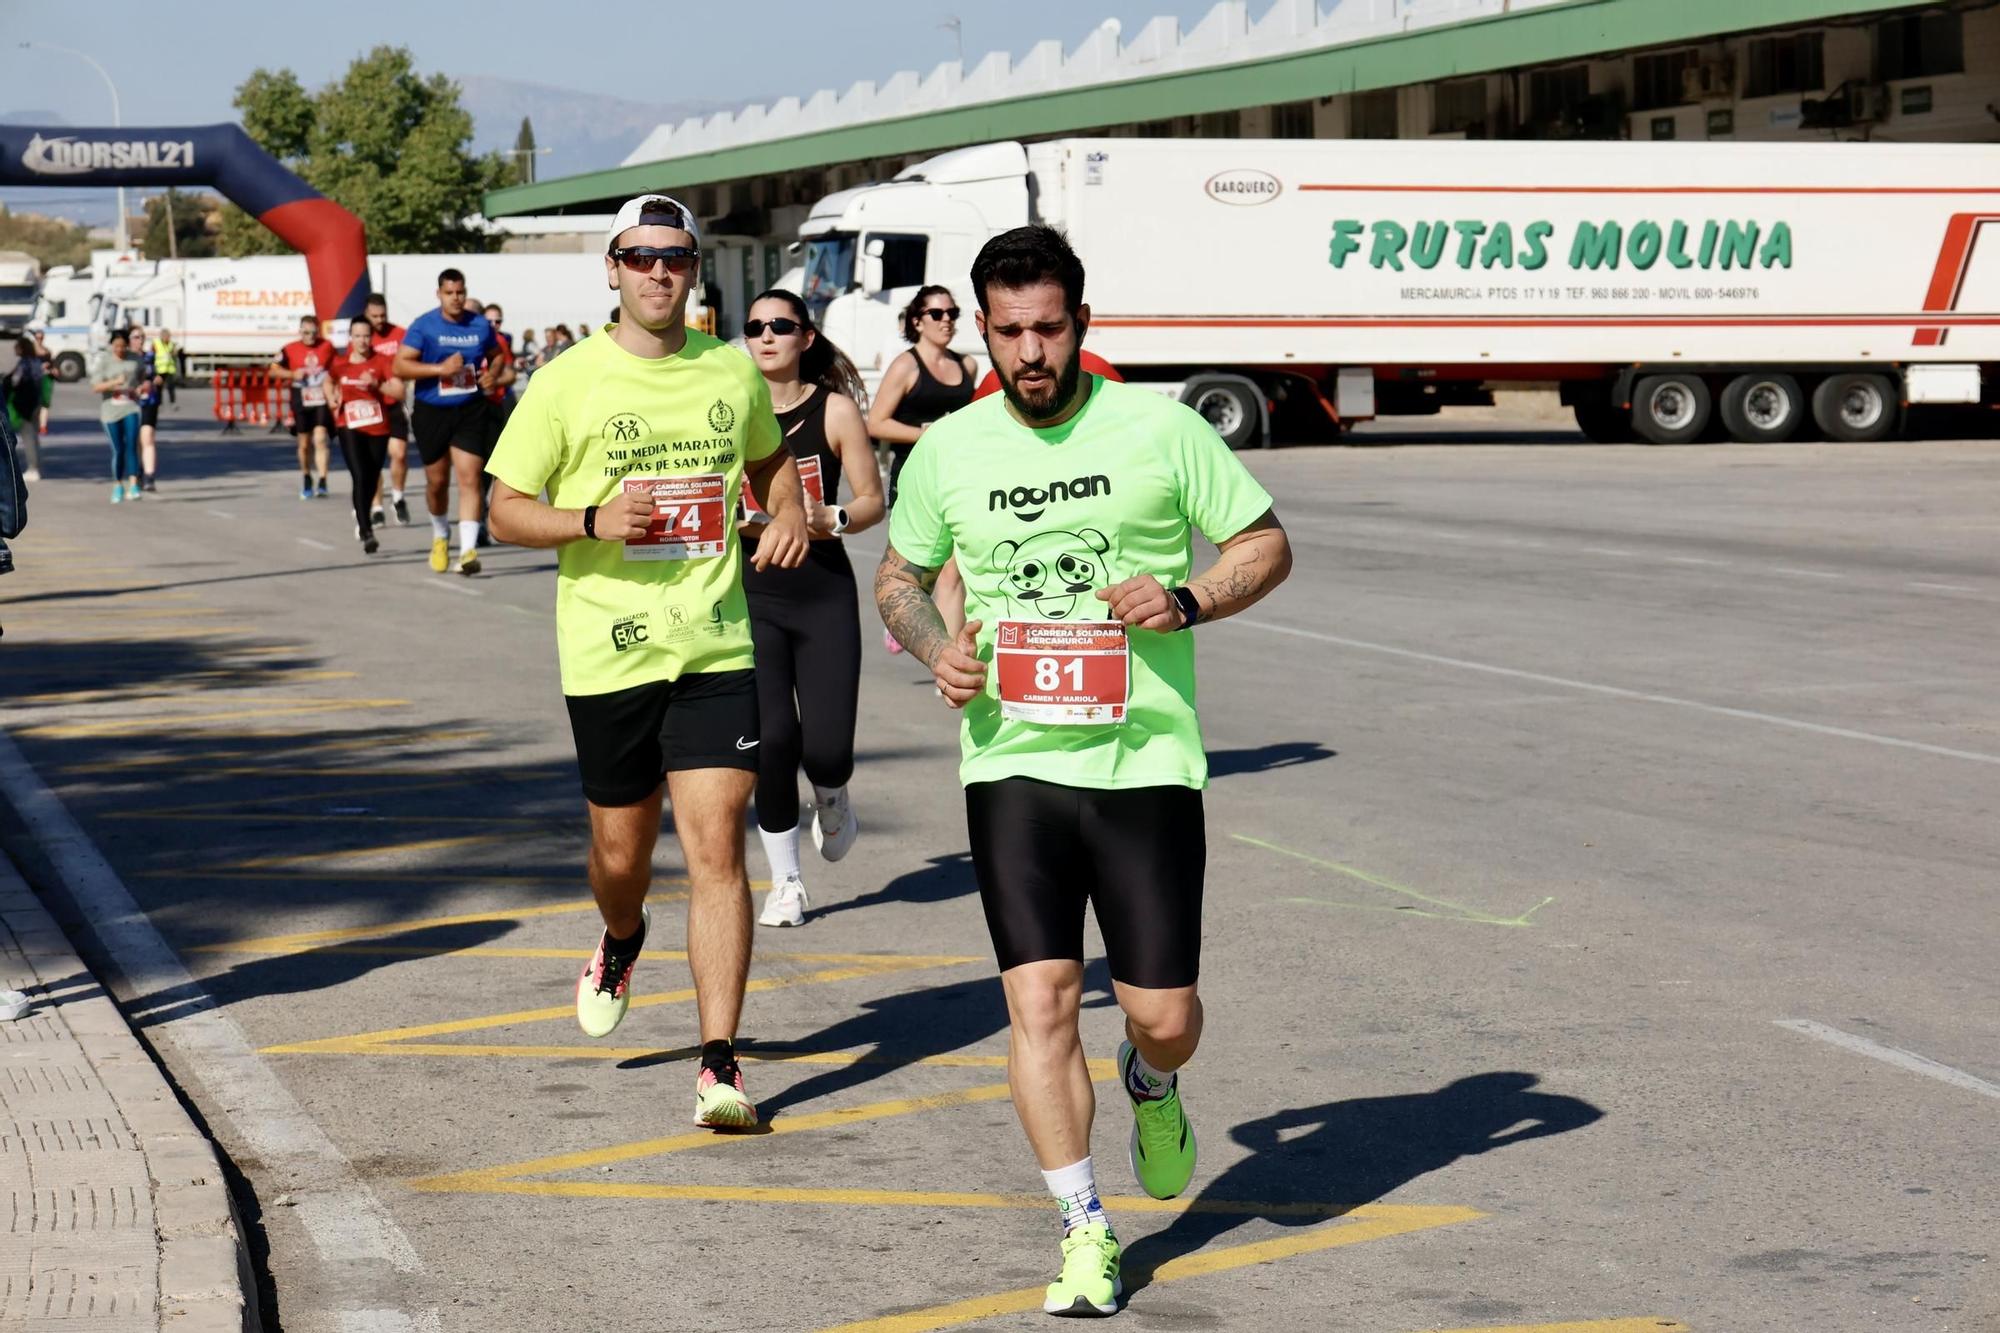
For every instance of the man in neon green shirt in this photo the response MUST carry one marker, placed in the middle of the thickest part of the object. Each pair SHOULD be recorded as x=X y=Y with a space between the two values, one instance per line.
x=1069 y=502
x=642 y=441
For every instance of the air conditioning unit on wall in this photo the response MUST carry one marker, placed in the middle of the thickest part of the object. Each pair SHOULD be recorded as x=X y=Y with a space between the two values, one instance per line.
x=1849 y=104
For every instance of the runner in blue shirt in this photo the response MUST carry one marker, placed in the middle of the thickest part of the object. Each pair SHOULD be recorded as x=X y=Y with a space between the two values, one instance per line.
x=447 y=355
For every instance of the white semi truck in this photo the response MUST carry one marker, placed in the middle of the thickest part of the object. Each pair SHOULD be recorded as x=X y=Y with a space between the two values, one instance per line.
x=1674 y=292
x=20 y=286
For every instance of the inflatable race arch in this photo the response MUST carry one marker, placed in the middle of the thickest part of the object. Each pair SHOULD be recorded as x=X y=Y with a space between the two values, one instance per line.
x=221 y=157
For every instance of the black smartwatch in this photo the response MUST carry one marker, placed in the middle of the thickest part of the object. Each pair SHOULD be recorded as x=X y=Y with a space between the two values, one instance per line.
x=590 y=520
x=1190 y=608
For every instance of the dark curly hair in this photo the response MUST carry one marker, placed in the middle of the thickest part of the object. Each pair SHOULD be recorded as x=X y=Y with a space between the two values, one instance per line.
x=1025 y=256
x=821 y=362
x=914 y=311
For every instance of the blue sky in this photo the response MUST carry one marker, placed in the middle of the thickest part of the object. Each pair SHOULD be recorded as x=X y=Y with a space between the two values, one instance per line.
x=180 y=63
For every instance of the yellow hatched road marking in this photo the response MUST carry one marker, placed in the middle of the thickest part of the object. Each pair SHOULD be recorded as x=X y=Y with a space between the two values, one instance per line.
x=148 y=635
x=1374 y=1221
x=373 y=743
x=1640 y=1324
x=765 y=1055
x=230 y=805
x=529 y=951
x=148 y=689
x=162 y=613
x=308 y=938
x=385 y=849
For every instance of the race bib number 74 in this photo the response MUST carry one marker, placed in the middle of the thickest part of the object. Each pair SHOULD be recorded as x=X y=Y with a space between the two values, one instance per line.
x=688 y=517
x=1061 y=674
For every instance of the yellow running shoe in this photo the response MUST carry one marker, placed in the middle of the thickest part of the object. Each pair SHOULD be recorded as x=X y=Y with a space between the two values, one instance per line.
x=604 y=991
x=440 y=554
x=1089 y=1287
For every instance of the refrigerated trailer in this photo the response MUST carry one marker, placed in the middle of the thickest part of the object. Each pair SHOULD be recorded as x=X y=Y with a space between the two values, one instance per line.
x=1673 y=291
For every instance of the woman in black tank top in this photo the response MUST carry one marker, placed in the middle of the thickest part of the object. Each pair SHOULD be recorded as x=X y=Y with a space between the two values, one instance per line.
x=805 y=622
x=922 y=384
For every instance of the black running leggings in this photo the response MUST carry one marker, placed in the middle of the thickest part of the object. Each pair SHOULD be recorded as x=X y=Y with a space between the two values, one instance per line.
x=806 y=624
x=366 y=456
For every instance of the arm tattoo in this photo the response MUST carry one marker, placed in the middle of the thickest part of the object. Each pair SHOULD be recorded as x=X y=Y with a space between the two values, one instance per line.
x=903 y=596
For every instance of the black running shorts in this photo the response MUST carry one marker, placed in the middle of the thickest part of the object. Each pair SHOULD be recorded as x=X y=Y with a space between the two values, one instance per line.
x=149 y=413
x=399 y=422
x=440 y=429
x=628 y=740
x=1137 y=855
x=306 y=420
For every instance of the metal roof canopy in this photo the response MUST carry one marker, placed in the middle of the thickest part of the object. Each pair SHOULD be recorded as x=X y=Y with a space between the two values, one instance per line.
x=1507 y=41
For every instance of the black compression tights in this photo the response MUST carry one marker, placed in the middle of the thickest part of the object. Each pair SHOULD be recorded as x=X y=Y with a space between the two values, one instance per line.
x=807 y=629
x=366 y=455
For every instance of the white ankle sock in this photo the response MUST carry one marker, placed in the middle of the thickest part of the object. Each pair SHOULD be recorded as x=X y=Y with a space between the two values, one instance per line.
x=440 y=528
x=1147 y=1083
x=1075 y=1190
x=782 y=851
x=468 y=534
x=396 y=495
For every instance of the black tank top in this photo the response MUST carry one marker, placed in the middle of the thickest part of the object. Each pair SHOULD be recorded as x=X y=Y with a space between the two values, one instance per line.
x=930 y=398
x=804 y=428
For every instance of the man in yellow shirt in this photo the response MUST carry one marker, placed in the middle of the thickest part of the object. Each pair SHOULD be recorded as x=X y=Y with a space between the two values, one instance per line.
x=642 y=440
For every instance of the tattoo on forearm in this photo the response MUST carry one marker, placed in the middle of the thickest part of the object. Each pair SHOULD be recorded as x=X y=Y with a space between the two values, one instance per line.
x=903 y=596
x=1243 y=575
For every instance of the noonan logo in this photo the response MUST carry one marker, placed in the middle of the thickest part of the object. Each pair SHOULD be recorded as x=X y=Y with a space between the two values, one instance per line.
x=69 y=156
x=1243 y=187
x=1029 y=503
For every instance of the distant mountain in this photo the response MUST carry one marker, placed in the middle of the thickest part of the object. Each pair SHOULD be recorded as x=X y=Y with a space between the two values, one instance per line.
x=583 y=131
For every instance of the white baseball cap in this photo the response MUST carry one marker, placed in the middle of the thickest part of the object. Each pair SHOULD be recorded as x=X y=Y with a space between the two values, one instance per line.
x=653 y=210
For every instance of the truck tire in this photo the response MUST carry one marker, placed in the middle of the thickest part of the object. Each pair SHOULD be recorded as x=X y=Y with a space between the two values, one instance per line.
x=1233 y=407
x=1602 y=421
x=1671 y=409
x=1762 y=408
x=1856 y=409
x=69 y=367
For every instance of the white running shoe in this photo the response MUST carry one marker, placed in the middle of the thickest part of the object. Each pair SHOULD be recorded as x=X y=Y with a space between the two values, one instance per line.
x=785 y=905
x=834 y=828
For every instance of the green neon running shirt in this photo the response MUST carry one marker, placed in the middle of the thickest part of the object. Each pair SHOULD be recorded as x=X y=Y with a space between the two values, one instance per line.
x=1114 y=492
x=598 y=416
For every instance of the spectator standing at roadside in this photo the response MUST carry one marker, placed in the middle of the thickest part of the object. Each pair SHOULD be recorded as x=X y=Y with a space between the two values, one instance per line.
x=26 y=398
x=167 y=365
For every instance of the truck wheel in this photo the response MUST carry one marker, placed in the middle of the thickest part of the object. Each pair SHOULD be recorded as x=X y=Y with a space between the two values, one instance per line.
x=1602 y=421
x=69 y=367
x=1228 y=406
x=1855 y=408
x=1762 y=409
x=1671 y=409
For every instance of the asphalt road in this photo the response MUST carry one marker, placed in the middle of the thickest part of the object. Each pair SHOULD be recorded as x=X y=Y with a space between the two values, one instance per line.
x=1592 y=829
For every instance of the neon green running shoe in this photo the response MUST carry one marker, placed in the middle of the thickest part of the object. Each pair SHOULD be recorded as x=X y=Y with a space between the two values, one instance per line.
x=604 y=991
x=1089 y=1287
x=1163 y=1148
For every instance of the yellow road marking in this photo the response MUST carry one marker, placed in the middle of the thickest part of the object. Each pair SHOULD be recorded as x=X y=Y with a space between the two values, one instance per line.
x=767 y=1055
x=388 y=741
x=308 y=938
x=385 y=849
x=147 y=635
x=371 y=877
x=230 y=804
x=168 y=721
x=528 y=951
x=160 y=614
x=1374 y=1221
x=266 y=817
x=865 y=1198
x=365 y=1043
x=149 y=690
x=1641 y=1324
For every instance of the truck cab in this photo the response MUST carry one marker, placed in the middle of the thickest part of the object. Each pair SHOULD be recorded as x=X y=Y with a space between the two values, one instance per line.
x=67 y=315
x=867 y=250
x=20 y=286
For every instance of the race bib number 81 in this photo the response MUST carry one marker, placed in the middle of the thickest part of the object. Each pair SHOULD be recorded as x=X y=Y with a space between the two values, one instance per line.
x=1063 y=674
x=688 y=517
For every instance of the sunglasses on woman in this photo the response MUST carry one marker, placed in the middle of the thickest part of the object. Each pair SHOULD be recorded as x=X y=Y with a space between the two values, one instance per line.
x=641 y=258
x=941 y=312
x=784 y=328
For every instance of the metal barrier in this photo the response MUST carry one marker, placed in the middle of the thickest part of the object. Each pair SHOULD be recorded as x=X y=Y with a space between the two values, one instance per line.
x=251 y=396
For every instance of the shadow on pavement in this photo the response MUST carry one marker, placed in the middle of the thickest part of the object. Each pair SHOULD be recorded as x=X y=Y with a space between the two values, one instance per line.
x=1357 y=1151
x=944 y=878
x=1264 y=758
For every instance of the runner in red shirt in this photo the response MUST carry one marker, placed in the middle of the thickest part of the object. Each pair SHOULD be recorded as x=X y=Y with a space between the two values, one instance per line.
x=363 y=385
x=388 y=337
x=304 y=363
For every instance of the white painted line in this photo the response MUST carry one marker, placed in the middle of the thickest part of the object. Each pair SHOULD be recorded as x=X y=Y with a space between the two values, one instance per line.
x=1640 y=696
x=317 y=546
x=223 y=513
x=456 y=585
x=511 y=606
x=1805 y=573
x=1945 y=587
x=1609 y=550
x=1892 y=1055
x=348 y=1225
x=388 y=1321
x=1692 y=560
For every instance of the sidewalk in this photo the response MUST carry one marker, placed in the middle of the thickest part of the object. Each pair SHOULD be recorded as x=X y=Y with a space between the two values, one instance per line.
x=118 y=1217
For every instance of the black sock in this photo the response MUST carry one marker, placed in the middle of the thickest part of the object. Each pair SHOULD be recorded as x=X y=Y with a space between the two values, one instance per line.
x=627 y=948
x=718 y=1055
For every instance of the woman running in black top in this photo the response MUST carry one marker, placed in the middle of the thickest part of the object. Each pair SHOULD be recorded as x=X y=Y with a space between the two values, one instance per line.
x=920 y=386
x=805 y=622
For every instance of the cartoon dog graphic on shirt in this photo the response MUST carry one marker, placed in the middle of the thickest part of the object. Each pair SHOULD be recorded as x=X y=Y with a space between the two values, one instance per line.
x=1050 y=573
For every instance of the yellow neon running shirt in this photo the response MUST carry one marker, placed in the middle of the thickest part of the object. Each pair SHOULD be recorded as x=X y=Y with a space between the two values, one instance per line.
x=598 y=416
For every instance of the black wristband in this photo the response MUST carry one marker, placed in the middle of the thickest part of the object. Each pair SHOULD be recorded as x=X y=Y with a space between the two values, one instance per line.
x=1184 y=598
x=590 y=520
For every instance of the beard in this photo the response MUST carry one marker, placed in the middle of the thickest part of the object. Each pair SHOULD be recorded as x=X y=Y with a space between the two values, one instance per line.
x=1050 y=404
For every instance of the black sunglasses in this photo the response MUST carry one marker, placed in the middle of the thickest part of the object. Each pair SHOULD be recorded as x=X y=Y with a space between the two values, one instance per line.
x=941 y=312
x=641 y=258
x=784 y=328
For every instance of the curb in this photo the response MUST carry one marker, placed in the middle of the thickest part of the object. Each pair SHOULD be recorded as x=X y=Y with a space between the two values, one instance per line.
x=204 y=1268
